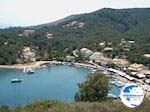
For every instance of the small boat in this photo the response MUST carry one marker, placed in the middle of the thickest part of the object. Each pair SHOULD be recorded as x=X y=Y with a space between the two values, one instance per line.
x=29 y=70
x=16 y=80
x=112 y=96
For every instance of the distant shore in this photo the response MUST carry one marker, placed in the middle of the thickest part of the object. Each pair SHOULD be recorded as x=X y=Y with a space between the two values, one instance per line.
x=40 y=64
x=22 y=66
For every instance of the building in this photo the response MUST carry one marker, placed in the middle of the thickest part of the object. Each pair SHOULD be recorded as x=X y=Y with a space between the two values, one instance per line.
x=131 y=42
x=29 y=54
x=75 y=52
x=102 y=44
x=86 y=52
x=70 y=58
x=49 y=35
x=95 y=56
x=120 y=62
x=147 y=55
x=140 y=76
x=146 y=73
x=137 y=67
x=105 y=61
x=108 y=49
x=28 y=32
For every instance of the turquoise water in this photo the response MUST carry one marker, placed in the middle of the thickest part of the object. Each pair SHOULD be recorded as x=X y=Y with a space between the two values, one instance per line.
x=57 y=83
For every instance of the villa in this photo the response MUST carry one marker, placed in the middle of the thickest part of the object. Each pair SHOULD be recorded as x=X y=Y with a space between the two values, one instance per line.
x=137 y=67
x=108 y=49
x=120 y=62
x=28 y=32
x=95 y=56
x=86 y=52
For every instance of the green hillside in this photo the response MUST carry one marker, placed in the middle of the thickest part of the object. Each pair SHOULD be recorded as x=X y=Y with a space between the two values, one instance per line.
x=84 y=30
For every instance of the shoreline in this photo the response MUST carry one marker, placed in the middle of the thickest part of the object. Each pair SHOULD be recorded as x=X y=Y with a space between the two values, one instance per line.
x=92 y=66
x=40 y=64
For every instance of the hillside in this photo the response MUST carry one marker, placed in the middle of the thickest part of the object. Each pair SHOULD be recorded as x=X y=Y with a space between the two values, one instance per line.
x=54 y=106
x=85 y=30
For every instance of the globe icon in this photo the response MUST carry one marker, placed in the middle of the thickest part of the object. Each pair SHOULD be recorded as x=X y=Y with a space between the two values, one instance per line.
x=132 y=95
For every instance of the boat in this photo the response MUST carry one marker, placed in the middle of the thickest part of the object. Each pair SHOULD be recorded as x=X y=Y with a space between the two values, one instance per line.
x=29 y=70
x=17 y=80
x=112 y=96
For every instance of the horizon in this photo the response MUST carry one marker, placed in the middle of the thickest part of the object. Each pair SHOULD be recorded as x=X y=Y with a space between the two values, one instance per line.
x=26 y=13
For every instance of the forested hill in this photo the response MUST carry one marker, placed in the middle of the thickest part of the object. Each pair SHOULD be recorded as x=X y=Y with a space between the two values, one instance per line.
x=84 y=30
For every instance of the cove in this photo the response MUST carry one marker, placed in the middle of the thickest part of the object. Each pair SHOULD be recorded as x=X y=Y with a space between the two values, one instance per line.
x=57 y=82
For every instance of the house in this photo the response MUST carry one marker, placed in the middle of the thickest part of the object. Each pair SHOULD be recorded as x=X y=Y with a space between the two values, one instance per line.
x=147 y=81
x=123 y=41
x=49 y=35
x=95 y=56
x=102 y=44
x=70 y=58
x=147 y=55
x=29 y=54
x=86 y=52
x=28 y=32
x=108 y=49
x=20 y=35
x=120 y=62
x=131 y=42
x=74 y=24
x=146 y=73
x=137 y=67
x=75 y=52
x=140 y=76
x=104 y=61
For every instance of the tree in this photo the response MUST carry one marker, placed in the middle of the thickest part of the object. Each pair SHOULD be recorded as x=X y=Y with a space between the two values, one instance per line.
x=95 y=88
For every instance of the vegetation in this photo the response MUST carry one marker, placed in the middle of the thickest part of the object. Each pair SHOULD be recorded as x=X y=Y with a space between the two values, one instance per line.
x=109 y=25
x=54 y=106
x=94 y=89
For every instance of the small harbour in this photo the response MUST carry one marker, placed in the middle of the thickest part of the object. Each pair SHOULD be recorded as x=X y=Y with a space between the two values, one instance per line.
x=58 y=82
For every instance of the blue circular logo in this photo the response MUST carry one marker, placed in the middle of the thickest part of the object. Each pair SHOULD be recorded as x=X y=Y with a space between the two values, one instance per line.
x=132 y=95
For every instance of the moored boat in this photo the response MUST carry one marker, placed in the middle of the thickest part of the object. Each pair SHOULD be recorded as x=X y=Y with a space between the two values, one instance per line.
x=29 y=70
x=16 y=80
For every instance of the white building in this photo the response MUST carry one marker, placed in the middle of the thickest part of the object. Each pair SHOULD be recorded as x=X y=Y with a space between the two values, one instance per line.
x=86 y=52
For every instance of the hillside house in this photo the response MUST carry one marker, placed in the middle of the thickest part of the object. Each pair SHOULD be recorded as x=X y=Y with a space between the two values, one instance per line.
x=95 y=56
x=86 y=52
x=49 y=35
x=137 y=67
x=121 y=62
x=28 y=32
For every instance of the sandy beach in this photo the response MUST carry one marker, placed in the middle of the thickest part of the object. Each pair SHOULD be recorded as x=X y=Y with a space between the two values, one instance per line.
x=22 y=66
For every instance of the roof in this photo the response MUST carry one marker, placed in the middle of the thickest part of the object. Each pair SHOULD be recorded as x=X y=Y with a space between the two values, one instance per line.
x=96 y=56
x=108 y=49
x=136 y=66
x=147 y=55
x=120 y=61
x=146 y=72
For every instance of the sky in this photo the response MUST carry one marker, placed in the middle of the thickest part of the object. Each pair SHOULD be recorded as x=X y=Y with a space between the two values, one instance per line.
x=34 y=12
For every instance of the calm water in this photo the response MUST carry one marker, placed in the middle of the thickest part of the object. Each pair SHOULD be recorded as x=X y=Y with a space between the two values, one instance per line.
x=57 y=82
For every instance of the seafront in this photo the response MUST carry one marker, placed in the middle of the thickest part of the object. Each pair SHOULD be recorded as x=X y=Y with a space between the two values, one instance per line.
x=120 y=76
x=40 y=64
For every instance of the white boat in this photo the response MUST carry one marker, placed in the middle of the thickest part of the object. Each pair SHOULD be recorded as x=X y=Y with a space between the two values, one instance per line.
x=16 y=80
x=112 y=96
x=29 y=70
